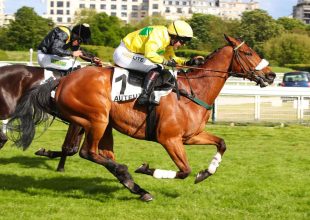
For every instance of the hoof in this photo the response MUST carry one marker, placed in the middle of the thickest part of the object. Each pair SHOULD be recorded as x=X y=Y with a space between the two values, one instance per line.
x=202 y=175
x=142 y=169
x=3 y=140
x=146 y=197
x=40 y=152
x=2 y=144
x=60 y=169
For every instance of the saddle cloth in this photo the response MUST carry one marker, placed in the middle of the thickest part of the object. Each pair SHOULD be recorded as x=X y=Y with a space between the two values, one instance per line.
x=47 y=75
x=124 y=90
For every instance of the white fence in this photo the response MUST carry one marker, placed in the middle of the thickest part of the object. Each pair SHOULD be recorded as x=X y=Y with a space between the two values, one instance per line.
x=269 y=104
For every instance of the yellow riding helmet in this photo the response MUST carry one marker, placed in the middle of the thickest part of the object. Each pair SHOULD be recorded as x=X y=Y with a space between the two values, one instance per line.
x=181 y=29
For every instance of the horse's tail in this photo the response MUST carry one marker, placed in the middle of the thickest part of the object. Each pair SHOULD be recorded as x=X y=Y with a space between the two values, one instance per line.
x=30 y=111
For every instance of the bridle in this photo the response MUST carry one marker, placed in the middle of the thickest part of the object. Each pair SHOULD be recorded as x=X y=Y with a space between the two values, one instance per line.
x=252 y=72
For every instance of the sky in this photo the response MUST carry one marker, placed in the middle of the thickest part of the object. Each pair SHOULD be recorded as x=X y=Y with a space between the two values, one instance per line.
x=275 y=8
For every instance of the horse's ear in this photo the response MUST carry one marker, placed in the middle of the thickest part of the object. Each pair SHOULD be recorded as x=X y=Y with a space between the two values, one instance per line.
x=228 y=39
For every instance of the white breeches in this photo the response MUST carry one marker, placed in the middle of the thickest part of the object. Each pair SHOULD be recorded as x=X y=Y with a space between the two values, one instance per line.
x=129 y=60
x=56 y=62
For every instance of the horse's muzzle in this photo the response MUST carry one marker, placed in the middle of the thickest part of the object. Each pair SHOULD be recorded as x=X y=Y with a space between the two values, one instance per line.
x=270 y=77
x=266 y=79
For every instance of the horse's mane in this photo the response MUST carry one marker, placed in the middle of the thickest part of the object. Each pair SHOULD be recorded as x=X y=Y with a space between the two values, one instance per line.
x=207 y=58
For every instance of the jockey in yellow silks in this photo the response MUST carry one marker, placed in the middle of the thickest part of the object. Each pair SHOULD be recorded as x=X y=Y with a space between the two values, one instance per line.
x=145 y=49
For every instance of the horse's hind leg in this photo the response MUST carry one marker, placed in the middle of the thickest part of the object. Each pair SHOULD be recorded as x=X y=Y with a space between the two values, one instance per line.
x=3 y=139
x=69 y=148
x=205 y=138
x=89 y=152
x=71 y=145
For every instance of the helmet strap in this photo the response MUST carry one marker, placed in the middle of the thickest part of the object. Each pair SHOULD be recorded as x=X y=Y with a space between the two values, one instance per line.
x=80 y=27
x=173 y=39
x=175 y=28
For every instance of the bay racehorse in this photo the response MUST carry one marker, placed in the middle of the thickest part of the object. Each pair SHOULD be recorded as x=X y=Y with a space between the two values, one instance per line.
x=85 y=99
x=15 y=81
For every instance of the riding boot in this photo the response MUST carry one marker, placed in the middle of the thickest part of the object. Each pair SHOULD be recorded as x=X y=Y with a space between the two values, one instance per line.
x=148 y=85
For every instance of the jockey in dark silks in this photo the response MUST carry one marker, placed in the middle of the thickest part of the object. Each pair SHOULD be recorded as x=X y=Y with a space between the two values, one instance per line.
x=61 y=47
x=149 y=48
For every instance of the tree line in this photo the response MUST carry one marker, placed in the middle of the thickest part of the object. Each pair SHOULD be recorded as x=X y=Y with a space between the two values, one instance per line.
x=282 y=41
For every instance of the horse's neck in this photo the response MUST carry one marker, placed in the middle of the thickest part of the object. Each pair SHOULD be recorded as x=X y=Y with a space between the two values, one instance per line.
x=208 y=84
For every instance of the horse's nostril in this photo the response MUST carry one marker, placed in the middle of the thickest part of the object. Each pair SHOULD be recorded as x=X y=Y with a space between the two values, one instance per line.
x=271 y=75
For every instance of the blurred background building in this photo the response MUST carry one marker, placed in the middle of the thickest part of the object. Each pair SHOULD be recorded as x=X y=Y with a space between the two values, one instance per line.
x=302 y=11
x=63 y=12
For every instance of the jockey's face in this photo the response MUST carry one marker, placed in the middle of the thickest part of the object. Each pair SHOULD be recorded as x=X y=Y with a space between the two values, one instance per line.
x=75 y=43
x=176 y=43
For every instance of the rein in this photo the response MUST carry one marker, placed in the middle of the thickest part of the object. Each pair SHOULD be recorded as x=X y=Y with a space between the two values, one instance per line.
x=247 y=72
x=237 y=58
x=203 y=69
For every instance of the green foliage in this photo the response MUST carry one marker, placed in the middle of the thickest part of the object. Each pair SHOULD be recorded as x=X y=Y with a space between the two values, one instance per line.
x=288 y=49
x=27 y=31
x=209 y=31
x=257 y=27
x=301 y=67
x=264 y=174
x=292 y=25
x=151 y=20
x=106 y=30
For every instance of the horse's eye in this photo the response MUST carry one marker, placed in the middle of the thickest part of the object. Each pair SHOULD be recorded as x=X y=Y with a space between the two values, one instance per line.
x=248 y=53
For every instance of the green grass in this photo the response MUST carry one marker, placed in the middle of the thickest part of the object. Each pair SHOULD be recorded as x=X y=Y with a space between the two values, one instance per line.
x=277 y=69
x=264 y=175
x=20 y=56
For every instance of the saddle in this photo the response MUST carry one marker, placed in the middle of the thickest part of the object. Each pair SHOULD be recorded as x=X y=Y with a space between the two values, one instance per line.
x=60 y=73
x=164 y=82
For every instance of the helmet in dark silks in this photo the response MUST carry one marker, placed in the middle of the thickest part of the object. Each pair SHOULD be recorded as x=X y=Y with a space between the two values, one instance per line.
x=81 y=32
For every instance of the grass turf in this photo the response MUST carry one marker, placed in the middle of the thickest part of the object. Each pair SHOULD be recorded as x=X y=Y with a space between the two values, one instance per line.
x=264 y=175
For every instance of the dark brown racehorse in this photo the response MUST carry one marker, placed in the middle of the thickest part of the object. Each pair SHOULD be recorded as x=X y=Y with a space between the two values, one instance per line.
x=85 y=99
x=15 y=81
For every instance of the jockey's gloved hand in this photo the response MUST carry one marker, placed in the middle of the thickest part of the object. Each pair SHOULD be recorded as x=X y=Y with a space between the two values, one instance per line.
x=195 y=61
x=96 y=61
x=171 y=63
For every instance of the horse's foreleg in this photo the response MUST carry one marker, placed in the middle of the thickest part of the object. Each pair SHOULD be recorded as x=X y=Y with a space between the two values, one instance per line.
x=120 y=171
x=205 y=138
x=176 y=151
